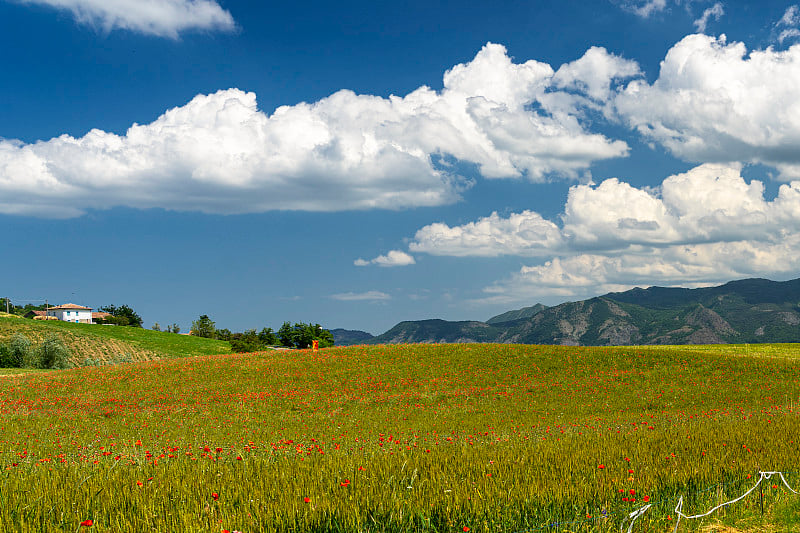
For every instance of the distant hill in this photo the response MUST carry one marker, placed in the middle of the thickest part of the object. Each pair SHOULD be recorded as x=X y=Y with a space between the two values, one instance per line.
x=436 y=330
x=525 y=312
x=744 y=311
x=349 y=337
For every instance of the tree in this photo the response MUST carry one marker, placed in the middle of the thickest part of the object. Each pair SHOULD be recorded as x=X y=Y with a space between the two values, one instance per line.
x=302 y=335
x=5 y=303
x=51 y=353
x=124 y=314
x=204 y=327
x=246 y=341
x=225 y=334
x=156 y=327
x=174 y=328
x=286 y=335
x=267 y=337
x=22 y=310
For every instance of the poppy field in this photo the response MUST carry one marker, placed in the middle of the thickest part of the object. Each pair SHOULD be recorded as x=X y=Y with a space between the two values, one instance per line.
x=444 y=438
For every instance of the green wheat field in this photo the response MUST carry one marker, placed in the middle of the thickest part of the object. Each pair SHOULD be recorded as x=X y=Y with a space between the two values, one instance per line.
x=405 y=438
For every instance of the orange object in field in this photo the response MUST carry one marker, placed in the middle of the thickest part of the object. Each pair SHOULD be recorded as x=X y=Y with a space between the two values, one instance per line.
x=315 y=345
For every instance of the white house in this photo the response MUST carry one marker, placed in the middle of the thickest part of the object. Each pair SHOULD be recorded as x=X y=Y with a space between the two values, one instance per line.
x=71 y=313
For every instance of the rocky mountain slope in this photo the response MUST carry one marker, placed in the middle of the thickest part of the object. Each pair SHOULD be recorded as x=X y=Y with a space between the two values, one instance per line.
x=745 y=311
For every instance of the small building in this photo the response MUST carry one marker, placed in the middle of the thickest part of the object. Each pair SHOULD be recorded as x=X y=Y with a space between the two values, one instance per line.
x=98 y=317
x=71 y=313
x=34 y=314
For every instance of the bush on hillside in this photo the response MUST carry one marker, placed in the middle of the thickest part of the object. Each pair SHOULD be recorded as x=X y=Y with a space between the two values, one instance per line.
x=20 y=351
x=51 y=354
x=5 y=357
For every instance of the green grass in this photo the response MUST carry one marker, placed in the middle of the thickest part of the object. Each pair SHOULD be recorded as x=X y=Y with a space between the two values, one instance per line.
x=111 y=343
x=780 y=350
x=433 y=438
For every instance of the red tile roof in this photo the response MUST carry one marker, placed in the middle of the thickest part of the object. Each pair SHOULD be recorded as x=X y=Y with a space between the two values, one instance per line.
x=71 y=306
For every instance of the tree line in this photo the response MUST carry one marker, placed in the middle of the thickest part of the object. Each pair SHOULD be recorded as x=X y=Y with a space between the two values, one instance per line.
x=298 y=335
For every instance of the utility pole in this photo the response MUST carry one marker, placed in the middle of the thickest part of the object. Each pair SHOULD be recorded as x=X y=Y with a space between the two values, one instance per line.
x=7 y=298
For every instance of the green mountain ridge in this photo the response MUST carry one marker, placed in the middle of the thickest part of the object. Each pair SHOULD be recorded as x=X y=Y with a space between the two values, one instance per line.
x=742 y=311
x=525 y=312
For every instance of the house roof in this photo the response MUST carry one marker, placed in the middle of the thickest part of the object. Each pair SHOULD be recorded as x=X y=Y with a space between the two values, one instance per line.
x=71 y=306
x=100 y=314
x=36 y=313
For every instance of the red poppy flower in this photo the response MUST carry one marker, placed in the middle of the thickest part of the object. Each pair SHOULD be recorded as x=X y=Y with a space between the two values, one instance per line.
x=601 y=466
x=87 y=523
x=307 y=499
x=215 y=496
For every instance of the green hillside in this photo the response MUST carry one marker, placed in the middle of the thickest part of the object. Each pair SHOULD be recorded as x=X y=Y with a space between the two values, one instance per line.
x=111 y=344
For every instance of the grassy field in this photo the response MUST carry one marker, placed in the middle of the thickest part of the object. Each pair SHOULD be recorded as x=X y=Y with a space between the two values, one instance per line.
x=446 y=438
x=110 y=344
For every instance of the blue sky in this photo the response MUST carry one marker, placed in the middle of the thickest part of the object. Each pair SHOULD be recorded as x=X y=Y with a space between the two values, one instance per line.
x=359 y=163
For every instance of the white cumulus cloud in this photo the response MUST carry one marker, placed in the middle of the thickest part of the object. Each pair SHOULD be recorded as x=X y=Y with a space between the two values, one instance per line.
x=714 y=102
x=587 y=275
x=162 y=18
x=594 y=72
x=220 y=153
x=705 y=225
x=525 y=233
x=375 y=296
x=644 y=8
x=709 y=203
x=789 y=23
x=392 y=259
x=715 y=11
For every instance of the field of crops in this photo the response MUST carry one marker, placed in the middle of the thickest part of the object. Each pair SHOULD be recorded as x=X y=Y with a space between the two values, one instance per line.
x=450 y=438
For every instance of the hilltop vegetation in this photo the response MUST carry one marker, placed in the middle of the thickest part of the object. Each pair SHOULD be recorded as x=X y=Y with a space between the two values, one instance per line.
x=110 y=344
x=444 y=438
x=94 y=344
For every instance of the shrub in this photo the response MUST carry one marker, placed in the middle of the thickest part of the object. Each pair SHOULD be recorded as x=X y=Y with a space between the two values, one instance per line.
x=5 y=357
x=20 y=351
x=51 y=353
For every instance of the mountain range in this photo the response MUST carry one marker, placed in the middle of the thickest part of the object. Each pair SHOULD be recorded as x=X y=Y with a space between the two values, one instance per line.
x=743 y=311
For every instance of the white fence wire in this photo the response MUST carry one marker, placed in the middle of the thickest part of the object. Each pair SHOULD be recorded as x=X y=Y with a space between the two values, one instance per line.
x=631 y=518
